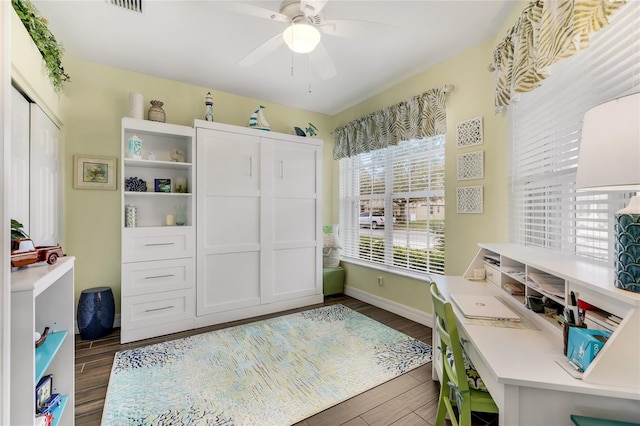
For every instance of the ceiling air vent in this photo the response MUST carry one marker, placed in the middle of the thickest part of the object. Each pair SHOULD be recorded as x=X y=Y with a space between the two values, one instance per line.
x=133 y=5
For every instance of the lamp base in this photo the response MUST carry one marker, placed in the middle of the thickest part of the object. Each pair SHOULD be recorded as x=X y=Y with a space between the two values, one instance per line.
x=627 y=247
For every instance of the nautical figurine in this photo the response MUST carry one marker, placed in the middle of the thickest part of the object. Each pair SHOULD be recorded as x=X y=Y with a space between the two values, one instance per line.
x=312 y=130
x=257 y=120
x=209 y=103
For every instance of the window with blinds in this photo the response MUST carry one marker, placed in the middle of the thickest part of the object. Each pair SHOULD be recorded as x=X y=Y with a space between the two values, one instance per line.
x=392 y=206
x=546 y=124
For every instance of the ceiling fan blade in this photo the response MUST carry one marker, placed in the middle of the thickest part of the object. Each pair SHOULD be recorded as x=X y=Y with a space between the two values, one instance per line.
x=322 y=63
x=312 y=7
x=251 y=10
x=353 y=29
x=260 y=52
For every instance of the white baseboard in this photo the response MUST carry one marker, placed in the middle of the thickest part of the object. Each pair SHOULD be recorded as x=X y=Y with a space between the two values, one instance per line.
x=402 y=310
x=116 y=323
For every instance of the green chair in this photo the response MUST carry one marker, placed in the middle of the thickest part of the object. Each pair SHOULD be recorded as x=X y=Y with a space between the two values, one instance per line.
x=458 y=380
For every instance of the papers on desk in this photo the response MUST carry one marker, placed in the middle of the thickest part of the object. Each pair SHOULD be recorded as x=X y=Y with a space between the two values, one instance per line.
x=547 y=283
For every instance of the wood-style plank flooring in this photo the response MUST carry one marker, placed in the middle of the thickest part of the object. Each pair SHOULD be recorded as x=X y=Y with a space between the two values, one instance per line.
x=408 y=400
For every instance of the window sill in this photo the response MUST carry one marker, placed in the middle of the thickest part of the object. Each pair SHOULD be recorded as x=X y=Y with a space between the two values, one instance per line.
x=421 y=276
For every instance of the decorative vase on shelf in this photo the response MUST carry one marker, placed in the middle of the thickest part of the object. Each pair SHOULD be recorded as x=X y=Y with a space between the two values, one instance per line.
x=136 y=105
x=156 y=113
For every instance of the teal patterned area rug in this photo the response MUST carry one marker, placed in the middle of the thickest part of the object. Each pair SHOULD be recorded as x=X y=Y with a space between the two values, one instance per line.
x=274 y=372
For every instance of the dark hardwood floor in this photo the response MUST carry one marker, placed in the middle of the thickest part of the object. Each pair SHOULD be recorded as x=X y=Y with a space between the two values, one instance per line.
x=410 y=399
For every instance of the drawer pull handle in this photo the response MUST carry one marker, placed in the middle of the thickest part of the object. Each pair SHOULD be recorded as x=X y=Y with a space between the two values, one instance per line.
x=159 y=244
x=464 y=341
x=160 y=309
x=160 y=276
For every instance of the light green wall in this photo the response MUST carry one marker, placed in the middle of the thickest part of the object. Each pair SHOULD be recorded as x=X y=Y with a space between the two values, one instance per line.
x=472 y=97
x=96 y=99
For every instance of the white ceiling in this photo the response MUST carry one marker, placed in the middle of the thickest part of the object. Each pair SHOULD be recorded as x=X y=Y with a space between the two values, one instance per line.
x=201 y=43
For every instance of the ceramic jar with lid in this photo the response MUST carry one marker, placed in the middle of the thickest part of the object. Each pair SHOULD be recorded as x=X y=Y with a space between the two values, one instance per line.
x=156 y=113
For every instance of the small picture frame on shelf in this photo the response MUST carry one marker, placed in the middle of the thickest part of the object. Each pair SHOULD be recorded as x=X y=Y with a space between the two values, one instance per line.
x=93 y=172
x=44 y=390
x=162 y=185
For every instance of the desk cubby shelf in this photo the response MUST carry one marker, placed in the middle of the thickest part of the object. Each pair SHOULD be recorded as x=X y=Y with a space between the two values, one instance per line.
x=556 y=275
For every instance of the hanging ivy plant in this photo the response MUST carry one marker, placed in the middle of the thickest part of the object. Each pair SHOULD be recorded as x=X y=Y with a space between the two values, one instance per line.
x=46 y=43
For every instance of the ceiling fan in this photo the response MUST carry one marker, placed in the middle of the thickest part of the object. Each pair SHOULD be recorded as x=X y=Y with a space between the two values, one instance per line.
x=304 y=21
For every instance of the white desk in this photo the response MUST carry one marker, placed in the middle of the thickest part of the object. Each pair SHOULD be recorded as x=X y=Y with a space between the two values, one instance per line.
x=519 y=367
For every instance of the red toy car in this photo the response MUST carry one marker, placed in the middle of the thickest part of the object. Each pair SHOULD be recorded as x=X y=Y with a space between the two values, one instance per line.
x=24 y=252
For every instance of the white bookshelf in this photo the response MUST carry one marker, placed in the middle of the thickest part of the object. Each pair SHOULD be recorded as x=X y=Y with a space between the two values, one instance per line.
x=42 y=296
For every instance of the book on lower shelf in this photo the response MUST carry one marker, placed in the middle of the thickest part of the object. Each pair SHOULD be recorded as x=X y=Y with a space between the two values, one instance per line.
x=599 y=319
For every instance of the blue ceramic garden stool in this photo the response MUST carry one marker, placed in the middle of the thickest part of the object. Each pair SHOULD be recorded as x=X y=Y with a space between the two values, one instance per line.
x=96 y=312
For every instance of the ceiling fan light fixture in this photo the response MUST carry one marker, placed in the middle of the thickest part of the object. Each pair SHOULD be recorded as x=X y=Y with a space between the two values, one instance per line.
x=301 y=38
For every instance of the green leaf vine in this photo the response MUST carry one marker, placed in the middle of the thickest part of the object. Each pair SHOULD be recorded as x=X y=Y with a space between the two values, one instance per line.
x=46 y=43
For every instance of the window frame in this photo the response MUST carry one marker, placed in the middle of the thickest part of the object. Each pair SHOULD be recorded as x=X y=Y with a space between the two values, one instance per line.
x=431 y=154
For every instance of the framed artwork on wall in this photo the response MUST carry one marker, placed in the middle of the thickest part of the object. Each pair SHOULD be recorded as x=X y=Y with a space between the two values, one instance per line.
x=471 y=165
x=94 y=172
x=470 y=199
x=469 y=133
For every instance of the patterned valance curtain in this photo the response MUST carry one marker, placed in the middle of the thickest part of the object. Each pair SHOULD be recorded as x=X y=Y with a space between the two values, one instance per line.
x=418 y=117
x=546 y=32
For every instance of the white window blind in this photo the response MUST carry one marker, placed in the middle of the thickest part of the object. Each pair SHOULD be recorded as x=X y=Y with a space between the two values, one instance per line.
x=392 y=206
x=545 y=136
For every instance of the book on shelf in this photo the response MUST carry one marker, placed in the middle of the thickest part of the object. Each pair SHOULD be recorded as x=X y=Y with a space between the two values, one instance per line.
x=547 y=282
x=614 y=319
x=513 y=288
x=601 y=319
x=492 y=260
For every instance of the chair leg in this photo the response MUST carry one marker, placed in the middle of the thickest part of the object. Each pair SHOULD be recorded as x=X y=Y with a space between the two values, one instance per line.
x=442 y=406
x=464 y=413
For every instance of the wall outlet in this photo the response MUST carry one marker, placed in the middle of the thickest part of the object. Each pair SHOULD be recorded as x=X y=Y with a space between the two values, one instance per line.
x=380 y=281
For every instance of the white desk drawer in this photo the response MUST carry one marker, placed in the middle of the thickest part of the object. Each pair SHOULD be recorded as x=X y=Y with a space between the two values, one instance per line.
x=492 y=274
x=170 y=242
x=157 y=309
x=495 y=389
x=153 y=277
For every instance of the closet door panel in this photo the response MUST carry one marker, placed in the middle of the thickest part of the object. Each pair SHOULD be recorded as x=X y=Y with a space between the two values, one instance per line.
x=231 y=221
x=232 y=163
x=19 y=188
x=294 y=220
x=232 y=282
x=45 y=179
x=294 y=273
x=294 y=166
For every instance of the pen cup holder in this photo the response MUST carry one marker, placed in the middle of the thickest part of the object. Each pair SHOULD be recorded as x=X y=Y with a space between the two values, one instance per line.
x=565 y=334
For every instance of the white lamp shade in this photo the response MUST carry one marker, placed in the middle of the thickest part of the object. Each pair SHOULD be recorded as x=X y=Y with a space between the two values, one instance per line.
x=301 y=38
x=610 y=147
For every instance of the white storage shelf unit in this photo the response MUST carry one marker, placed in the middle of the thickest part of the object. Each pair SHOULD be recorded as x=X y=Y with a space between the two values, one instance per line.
x=158 y=139
x=42 y=296
x=618 y=364
x=158 y=259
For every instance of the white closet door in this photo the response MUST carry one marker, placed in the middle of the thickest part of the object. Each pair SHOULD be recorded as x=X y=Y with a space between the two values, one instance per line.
x=45 y=179
x=228 y=237
x=18 y=188
x=293 y=213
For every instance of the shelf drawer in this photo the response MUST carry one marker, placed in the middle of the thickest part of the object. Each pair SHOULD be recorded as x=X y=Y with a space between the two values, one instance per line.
x=492 y=274
x=158 y=243
x=495 y=389
x=153 y=277
x=157 y=309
